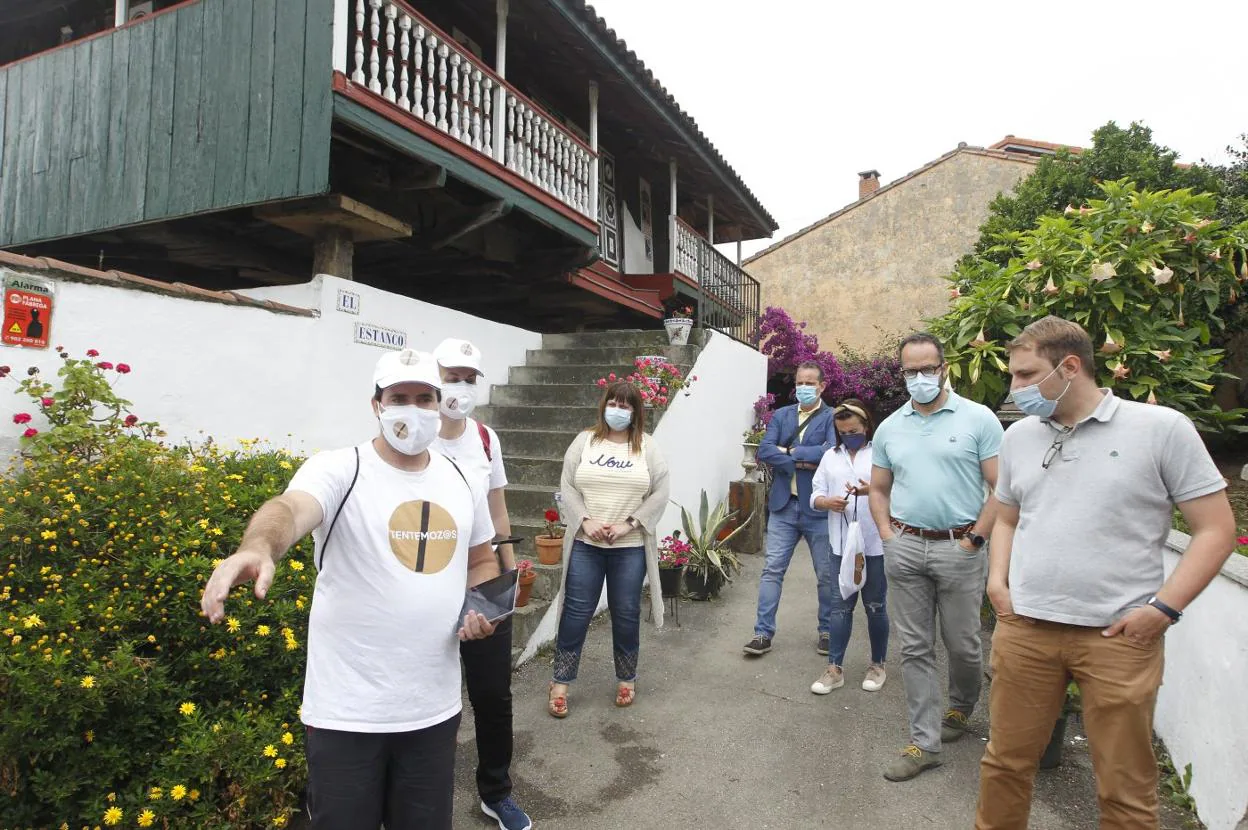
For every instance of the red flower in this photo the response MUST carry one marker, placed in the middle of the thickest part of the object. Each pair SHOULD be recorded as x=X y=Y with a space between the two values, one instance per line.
x=602 y=381
x=21 y=418
x=47 y=401
x=4 y=370
x=30 y=433
x=552 y=515
x=123 y=368
x=131 y=420
x=104 y=364
x=1242 y=540
x=611 y=376
x=92 y=353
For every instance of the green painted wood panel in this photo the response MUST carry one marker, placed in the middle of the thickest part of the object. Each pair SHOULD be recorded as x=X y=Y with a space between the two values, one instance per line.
x=160 y=132
x=211 y=105
x=318 y=100
x=260 y=104
x=231 y=167
x=138 y=124
x=187 y=89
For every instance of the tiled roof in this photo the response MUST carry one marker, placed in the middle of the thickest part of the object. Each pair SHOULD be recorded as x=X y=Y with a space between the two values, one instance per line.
x=975 y=151
x=120 y=279
x=1048 y=146
x=646 y=77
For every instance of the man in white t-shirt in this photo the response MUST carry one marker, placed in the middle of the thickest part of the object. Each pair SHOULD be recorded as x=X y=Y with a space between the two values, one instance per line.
x=487 y=663
x=400 y=535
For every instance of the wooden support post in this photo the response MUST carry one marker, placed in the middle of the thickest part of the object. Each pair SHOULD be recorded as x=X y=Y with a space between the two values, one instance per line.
x=333 y=252
x=672 y=253
x=500 y=91
x=121 y=11
x=710 y=218
x=593 y=145
x=738 y=253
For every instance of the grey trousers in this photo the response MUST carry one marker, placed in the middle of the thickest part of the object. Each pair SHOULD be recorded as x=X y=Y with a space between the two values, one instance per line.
x=926 y=576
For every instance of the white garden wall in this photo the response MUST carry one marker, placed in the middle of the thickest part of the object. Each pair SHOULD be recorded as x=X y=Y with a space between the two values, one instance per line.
x=204 y=368
x=1200 y=710
x=700 y=436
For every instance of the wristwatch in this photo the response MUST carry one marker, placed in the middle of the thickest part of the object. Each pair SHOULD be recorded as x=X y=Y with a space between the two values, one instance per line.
x=1174 y=616
x=977 y=540
x=633 y=523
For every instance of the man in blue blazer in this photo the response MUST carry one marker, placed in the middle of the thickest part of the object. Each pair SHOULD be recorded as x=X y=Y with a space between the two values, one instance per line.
x=796 y=440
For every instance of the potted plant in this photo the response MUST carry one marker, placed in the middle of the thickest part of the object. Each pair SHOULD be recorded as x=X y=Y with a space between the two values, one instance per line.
x=754 y=435
x=711 y=564
x=673 y=557
x=550 y=543
x=657 y=381
x=525 y=577
x=678 y=325
x=1052 y=757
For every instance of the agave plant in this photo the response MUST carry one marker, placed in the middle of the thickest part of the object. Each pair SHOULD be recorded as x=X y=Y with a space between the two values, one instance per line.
x=708 y=556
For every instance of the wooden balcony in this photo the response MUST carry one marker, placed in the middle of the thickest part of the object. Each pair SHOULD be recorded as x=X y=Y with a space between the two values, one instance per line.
x=728 y=297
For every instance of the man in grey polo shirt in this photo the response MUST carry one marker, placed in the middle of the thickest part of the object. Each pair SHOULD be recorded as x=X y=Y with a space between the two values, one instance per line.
x=934 y=463
x=1087 y=490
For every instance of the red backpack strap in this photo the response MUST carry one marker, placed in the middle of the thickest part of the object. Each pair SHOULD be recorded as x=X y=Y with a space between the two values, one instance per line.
x=485 y=440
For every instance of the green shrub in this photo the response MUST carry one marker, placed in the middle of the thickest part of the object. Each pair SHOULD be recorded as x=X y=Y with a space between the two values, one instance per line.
x=122 y=706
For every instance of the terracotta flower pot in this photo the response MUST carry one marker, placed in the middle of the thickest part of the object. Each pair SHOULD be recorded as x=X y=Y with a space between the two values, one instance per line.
x=524 y=588
x=549 y=549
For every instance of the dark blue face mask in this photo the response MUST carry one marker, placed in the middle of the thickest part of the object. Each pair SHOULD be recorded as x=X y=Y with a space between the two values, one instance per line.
x=854 y=441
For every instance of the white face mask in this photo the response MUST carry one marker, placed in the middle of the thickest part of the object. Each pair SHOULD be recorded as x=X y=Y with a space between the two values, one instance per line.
x=409 y=429
x=458 y=399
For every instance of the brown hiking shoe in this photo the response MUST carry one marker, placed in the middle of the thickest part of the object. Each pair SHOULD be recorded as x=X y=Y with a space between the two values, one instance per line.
x=912 y=761
x=953 y=726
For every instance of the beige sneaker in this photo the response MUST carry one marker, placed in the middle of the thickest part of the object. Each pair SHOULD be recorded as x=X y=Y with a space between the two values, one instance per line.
x=833 y=678
x=876 y=675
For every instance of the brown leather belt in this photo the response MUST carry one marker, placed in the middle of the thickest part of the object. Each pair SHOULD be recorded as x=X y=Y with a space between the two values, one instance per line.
x=953 y=532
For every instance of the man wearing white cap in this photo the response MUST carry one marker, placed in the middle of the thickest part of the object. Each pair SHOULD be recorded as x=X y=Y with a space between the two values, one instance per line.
x=487 y=663
x=400 y=535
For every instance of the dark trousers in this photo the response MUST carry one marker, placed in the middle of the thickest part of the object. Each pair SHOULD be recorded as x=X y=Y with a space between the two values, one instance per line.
x=589 y=566
x=487 y=670
x=405 y=780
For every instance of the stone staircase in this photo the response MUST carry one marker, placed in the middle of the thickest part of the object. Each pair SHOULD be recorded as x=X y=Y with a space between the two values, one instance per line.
x=538 y=412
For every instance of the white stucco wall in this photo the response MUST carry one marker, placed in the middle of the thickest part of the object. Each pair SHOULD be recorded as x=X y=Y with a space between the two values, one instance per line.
x=635 y=259
x=1200 y=709
x=208 y=369
x=700 y=436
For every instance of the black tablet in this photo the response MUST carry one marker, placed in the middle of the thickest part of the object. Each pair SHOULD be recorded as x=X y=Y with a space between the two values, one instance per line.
x=494 y=599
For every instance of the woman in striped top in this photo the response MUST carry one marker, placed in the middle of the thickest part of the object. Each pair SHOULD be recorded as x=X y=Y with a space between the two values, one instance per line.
x=614 y=489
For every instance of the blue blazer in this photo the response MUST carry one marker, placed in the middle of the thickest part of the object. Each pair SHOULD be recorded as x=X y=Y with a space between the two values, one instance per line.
x=818 y=437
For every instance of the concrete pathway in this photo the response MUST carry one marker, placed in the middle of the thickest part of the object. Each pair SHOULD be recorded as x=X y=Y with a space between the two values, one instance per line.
x=716 y=740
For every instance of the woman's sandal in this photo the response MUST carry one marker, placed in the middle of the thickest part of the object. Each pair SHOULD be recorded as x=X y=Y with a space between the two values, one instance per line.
x=558 y=705
x=625 y=694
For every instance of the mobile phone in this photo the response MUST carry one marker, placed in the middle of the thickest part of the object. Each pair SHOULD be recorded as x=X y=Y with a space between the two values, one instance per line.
x=494 y=599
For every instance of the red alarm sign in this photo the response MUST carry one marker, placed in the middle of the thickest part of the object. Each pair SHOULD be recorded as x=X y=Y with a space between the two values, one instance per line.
x=27 y=311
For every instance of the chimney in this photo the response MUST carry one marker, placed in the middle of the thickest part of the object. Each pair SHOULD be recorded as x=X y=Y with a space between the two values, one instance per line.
x=868 y=183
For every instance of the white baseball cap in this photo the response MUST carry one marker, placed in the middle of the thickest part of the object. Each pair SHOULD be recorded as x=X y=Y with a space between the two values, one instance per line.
x=457 y=354
x=407 y=366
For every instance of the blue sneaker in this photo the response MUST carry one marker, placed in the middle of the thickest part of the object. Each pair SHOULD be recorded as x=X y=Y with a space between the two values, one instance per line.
x=508 y=815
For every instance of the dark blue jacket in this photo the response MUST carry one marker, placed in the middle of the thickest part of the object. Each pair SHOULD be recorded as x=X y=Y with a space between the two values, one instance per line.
x=818 y=437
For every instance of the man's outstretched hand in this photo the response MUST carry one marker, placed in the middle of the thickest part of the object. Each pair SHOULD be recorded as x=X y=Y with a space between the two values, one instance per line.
x=476 y=627
x=243 y=566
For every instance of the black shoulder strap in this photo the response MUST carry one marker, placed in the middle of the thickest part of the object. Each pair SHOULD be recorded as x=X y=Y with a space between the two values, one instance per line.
x=338 y=512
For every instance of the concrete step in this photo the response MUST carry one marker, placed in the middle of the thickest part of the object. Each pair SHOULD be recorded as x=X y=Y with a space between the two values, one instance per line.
x=548 y=394
x=530 y=499
x=653 y=339
x=549 y=578
x=526 y=470
x=535 y=443
x=525 y=622
x=570 y=418
x=608 y=355
x=588 y=373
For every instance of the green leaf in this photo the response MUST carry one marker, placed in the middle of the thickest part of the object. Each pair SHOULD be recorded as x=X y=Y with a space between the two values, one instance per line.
x=1117 y=298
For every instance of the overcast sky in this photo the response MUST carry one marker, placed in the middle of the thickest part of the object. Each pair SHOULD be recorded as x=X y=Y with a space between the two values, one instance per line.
x=801 y=95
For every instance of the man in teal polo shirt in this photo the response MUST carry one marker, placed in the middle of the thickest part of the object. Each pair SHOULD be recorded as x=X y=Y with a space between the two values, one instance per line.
x=934 y=463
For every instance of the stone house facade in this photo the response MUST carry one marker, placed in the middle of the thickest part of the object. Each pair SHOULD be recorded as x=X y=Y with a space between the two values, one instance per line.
x=875 y=269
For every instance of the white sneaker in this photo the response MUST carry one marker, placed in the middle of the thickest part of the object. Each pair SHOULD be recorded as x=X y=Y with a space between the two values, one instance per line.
x=875 y=678
x=833 y=678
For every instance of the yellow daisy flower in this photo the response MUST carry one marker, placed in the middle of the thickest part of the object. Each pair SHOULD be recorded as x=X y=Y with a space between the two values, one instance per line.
x=232 y=625
x=177 y=792
x=280 y=763
x=270 y=751
x=88 y=682
x=187 y=709
x=113 y=815
x=263 y=630
x=288 y=738
x=155 y=793
x=146 y=818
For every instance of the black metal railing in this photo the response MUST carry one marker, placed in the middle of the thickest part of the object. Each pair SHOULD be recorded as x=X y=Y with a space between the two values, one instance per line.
x=728 y=298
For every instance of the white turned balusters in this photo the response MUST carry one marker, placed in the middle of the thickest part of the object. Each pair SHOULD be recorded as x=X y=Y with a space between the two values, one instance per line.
x=431 y=83
x=487 y=116
x=477 y=143
x=357 y=75
x=374 y=56
x=418 y=70
x=405 y=26
x=443 y=51
x=392 y=12
x=509 y=136
x=456 y=110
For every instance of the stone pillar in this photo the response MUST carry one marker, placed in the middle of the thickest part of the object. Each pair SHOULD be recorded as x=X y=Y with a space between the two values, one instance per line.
x=750 y=499
x=333 y=252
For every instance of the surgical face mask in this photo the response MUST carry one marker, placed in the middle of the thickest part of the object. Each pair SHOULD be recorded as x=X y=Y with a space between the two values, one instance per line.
x=854 y=441
x=924 y=389
x=806 y=395
x=409 y=429
x=618 y=418
x=1031 y=401
x=458 y=399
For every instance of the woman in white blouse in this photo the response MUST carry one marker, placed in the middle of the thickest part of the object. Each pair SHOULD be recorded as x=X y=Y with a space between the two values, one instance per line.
x=840 y=487
x=614 y=489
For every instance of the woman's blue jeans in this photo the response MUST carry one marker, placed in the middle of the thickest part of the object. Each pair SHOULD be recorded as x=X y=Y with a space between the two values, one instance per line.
x=874 y=595
x=623 y=569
